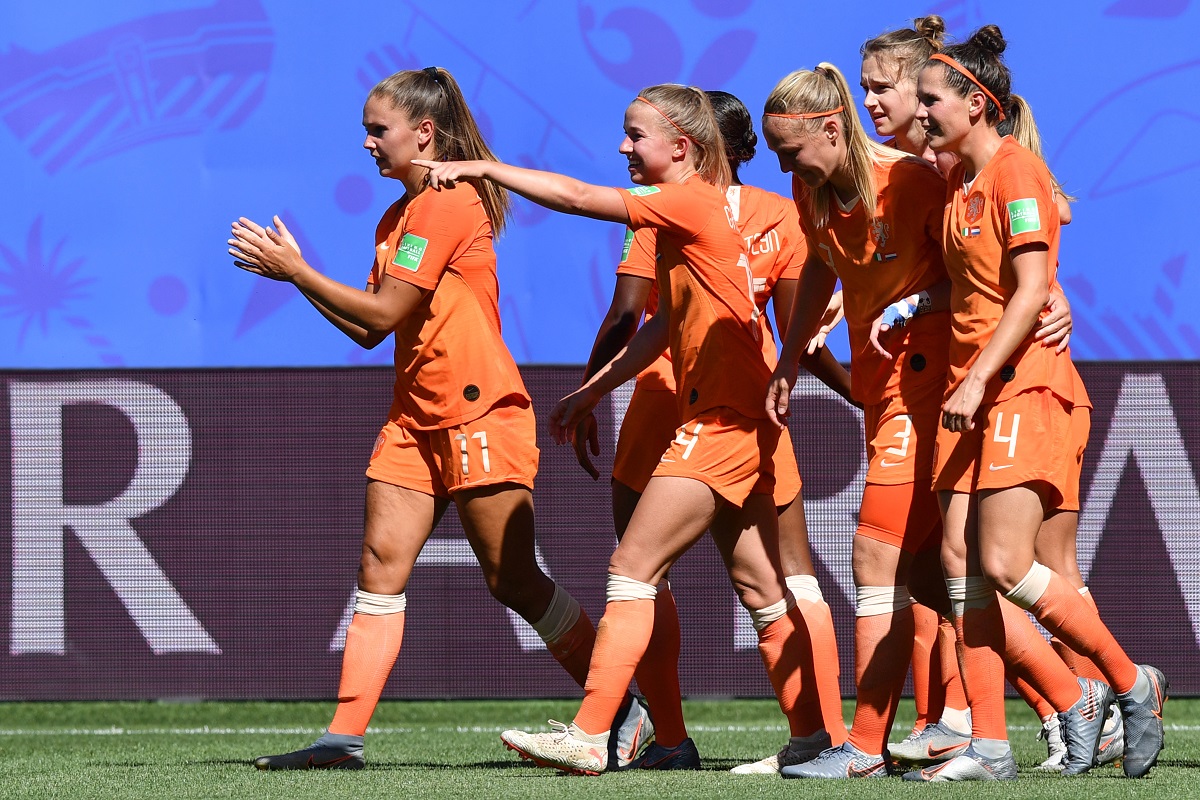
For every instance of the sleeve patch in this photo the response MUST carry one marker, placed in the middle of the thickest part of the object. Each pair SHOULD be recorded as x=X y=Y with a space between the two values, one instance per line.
x=410 y=251
x=642 y=191
x=1023 y=216
x=628 y=245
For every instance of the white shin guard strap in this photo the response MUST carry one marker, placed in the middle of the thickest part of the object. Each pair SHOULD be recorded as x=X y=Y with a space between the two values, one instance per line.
x=379 y=605
x=763 y=617
x=1031 y=588
x=622 y=588
x=805 y=587
x=561 y=615
x=872 y=601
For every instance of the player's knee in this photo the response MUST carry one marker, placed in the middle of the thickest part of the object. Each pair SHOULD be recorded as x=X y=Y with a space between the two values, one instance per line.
x=1002 y=572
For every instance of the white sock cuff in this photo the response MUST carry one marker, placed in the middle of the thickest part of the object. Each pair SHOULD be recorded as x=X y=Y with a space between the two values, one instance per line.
x=379 y=605
x=956 y=588
x=805 y=587
x=872 y=601
x=967 y=593
x=763 y=617
x=1031 y=588
x=561 y=615
x=1084 y=591
x=622 y=588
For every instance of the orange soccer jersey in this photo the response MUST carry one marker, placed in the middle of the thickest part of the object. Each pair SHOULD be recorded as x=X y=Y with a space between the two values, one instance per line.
x=895 y=254
x=1009 y=204
x=451 y=364
x=703 y=272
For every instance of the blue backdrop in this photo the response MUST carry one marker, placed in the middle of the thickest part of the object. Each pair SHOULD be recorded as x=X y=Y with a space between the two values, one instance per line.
x=132 y=133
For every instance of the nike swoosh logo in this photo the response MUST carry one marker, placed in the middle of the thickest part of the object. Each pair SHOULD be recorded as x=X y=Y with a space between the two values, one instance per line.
x=628 y=754
x=322 y=764
x=862 y=772
x=994 y=468
x=883 y=462
x=938 y=752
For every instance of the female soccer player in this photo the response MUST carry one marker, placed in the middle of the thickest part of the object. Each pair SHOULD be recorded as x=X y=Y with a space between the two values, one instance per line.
x=873 y=218
x=768 y=225
x=460 y=427
x=1008 y=405
x=717 y=472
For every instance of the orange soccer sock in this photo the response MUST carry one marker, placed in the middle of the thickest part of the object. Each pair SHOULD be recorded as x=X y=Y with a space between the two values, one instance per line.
x=955 y=697
x=621 y=639
x=372 y=644
x=1030 y=659
x=821 y=669
x=1068 y=616
x=1081 y=665
x=1029 y=694
x=573 y=649
x=658 y=673
x=928 y=694
x=882 y=650
x=980 y=631
x=784 y=647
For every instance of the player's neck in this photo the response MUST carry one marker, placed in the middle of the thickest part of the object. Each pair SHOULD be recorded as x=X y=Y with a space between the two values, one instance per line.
x=977 y=150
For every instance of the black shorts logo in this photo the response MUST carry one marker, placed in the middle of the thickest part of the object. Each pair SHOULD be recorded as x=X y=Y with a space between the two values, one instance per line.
x=471 y=393
x=917 y=362
x=693 y=397
x=1008 y=373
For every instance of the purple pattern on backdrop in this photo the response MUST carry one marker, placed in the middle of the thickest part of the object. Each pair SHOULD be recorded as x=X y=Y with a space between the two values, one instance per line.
x=157 y=77
x=168 y=295
x=655 y=54
x=353 y=194
x=722 y=59
x=721 y=9
x=1147 y=9
x=961 y=16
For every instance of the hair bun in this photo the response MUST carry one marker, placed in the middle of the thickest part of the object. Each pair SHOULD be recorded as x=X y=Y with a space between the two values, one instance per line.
x=989 y=38
x=931 y=28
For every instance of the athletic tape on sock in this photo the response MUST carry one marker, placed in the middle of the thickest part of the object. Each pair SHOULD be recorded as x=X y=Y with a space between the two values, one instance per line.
x=1031 y=588
x=805 y=587
x=379 y=605
x=762 y=617
x=872 y=601
x=968 y=593
x=622 y=588
x=561 y=615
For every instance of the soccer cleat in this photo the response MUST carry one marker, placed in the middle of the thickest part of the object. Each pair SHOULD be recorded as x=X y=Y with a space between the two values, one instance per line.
x=682 y=756
x=1143 y=725
x=331 y=751
x=1082 y=724
x=1056 y=748
x=632 y=733
x=565 y=748
x=796 y=752
x=970 y=766
x=932 y=745
x=1112 y=739
x=846 y=761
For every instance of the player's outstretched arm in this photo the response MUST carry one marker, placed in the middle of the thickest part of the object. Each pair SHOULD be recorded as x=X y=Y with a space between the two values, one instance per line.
x=549 y=189
x=367 y=317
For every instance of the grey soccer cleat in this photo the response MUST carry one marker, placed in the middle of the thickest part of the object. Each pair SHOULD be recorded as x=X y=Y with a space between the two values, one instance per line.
x=1082 y=725
x=1055 y=747
x=331 y=751
x=846 y=761
x=632 y=733
x=1112 y=739
x=1143 y=725
x=932 y=745
x=970 y=766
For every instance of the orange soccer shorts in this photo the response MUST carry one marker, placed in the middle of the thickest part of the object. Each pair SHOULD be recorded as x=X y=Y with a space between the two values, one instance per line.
x=904 y=515
x=646 y=432
x=499 y=447
x=1081 y=429
x=732 y=454
x=1019 y=440
x=901 y=431
x=787 y=471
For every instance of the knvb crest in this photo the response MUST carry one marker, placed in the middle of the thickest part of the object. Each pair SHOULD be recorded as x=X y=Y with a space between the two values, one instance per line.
x=156 y=77
x=881 y=232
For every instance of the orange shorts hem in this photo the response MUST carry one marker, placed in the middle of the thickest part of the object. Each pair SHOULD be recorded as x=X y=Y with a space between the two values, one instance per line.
x=1077 y=439
x=730 y=453
x=904 y=515
x=1019 y=440
x=650 y=423
x=499 y=447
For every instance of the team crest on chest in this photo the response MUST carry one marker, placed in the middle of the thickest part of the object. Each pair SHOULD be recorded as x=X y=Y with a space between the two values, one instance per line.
x=974 y=207
x=880 y=232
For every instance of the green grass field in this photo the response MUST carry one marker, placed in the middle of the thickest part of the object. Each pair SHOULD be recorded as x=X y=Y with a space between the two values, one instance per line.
x=452 y=749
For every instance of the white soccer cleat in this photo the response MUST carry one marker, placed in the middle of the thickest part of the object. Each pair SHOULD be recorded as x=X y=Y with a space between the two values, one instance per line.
x=970 y=766
x=796 y=752
x=632 y=733
x=565 y=748
x=1056 y=748
x=932 y=745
